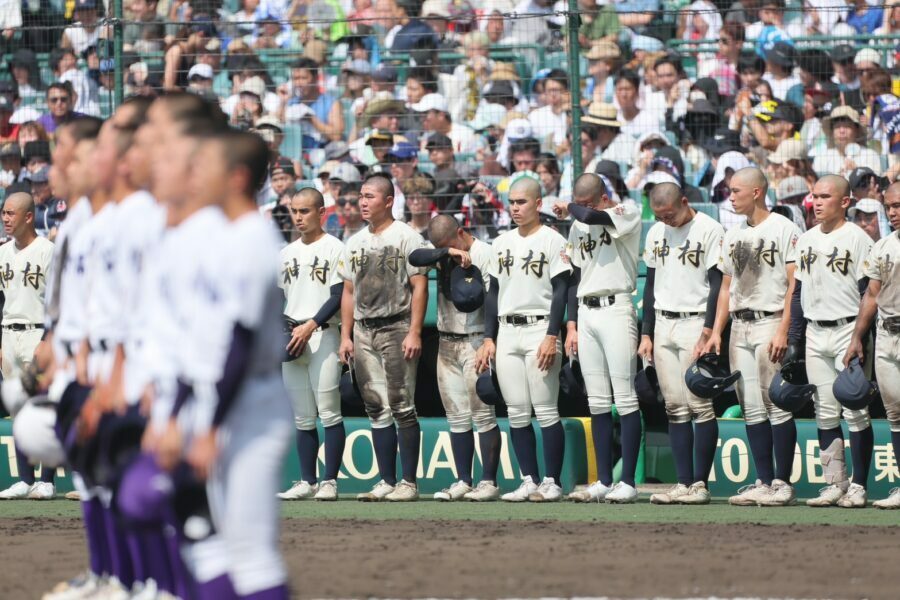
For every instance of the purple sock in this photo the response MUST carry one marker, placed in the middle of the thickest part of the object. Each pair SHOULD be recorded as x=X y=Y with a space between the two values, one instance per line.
x=156 y=560
x=525 y=447
x=706 y=437
x=95 y=530
x=308 y=451
x=335 y=440
x=26 y=470
x=862 y=443
x=119 y=558
x=384 y=439
x=760 y=438
x=409 y=450
x=276 y=593
x=784 y=439
x=463 y=446
x=681 y=439
x=219 y=588
x=135 y=546
x=554 y=438
x=631 y=444
x=490 y=441
x=602 y=435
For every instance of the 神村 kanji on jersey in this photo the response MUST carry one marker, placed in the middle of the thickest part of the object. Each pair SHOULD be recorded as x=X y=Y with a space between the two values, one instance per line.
x=607 y=256
x=23 y=279
x=377 y=264
x=524 y=267
x=682 y=257
x=307 y=273
x=449 y=318
x=883 y=264
x=830 y=266
x=756 y=259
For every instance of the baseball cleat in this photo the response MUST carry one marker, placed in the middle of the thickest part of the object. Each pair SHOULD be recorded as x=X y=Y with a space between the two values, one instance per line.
x=828 y=496
x=697 y=494
x=673 y=496
x=781 y=494
x=622 y=493
x=42 y=490
x=112 y=590
x=548 y=491
x=455 y=492
x=381 y=489
x=73 y=495
x=521 y=493
x=749 y=495
x=301 y=490
x=82 y=586
x=145 y=590
x=596 y=492
x=855 y=497
x=16 y=491
x=327 y=491
x=485 y=491
x=404 y=491
x=892 y=502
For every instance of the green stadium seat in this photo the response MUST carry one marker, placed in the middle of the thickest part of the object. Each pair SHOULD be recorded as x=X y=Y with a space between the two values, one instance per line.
x=645 y=229
x=708 y=208
x=292 y=145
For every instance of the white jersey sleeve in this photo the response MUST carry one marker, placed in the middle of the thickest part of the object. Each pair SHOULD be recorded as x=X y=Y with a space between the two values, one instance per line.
x=883 y=264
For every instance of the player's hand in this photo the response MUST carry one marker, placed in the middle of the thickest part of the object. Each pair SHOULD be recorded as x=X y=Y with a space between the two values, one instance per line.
x=412 y=346
x=645 y=349
x=546 y=353
x=168 y=450
x=150 y=439
x=571 y=339
x=202 y=454
x=485 y=356
x=81 y=365
x=854 y=350
x=777 y=347
x=561 y=210
x=89 y=419
x=461 y=256
x=345 y=352
x=147 y=398
x=713 y=344
x=300 y=337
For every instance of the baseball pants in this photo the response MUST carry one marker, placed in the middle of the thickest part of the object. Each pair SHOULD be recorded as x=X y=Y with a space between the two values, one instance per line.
x=825 y=349
x=523 y=385
x=607 y=351
x=312 y=381
x=18 y=350
x=456 y=379
x=387 y=381
x=673 y=347
x=887 y=370
x=749 y=355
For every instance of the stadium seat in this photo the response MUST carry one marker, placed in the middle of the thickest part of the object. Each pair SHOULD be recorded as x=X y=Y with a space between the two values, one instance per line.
x=645 y=229
x=708 y=208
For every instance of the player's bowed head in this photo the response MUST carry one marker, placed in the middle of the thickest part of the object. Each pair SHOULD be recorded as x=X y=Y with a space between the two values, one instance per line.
x=670 y=205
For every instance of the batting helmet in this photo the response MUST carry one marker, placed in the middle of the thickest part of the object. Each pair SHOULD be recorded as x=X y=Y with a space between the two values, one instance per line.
x=287 y=332
x=33 y=430
x=572 y=381
x=467 y=288
x=144 y=492
x=488 y=388
x=646 y=385
x=191 y=504
x=349 y=388
x=707 y=378
x=120 y=442
x=790 y=389
x=853 y=389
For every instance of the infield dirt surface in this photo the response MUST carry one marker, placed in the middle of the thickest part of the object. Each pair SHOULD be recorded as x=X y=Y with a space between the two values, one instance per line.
x=470 y=553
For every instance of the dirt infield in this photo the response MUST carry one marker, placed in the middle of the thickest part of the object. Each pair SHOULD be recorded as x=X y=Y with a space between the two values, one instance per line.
x=490 y=559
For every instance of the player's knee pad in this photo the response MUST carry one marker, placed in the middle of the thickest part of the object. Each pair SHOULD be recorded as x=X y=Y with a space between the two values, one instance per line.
x=519 y=416
x=305 y=422
x=35 y=435
x=546 y=415
x=858 y=420
x=600 y=405
x=460 y=422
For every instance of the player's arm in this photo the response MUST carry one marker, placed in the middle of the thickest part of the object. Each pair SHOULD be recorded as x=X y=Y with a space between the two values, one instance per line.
x=589 y=216
x=345 y=353
x=426 y=257
x=412 y=343
x=301 y=333
x=714 y=343
x=797 y=329
x=648 y=321
x=778 y=345
x=488 y=349
x=867 y=311
x=572 y=313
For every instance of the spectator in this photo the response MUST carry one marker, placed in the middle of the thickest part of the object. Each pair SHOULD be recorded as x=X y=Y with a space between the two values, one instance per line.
x=27 y=73
x=864 y=185
x=419 y=210
x=404 y=34
x=846 y=137
x=420 y=81
x=770 y=122
x=60 y=104
x=181 y=53
x=270 y=33
x=283 y=178
x=724 y=66
x=590 y=157
x=637 y=15
x=668 y=160
x=550 y=121
x=547 y=169
x=603 y=58
x=790 y=160
x=437 y=119
x=9 y=132
x=599 y=22
x=35 y=156
x=356 y=75
x=817 y=103
x=846 y=75
x=612 y=143
x=320 y=115
x=10 y=163
x=644 y=153
x=339 y=177
x=727 y=165
x=449 y=185
x=10 y=20
x=85 y=30
x=890 y=27
x=635 y=122
x=770 y=27
x=145 y=20
x=876 y=91
x=814 y=70
x=523 y=153
x=249 y=108
x=46 y=212
x=402 y=162
x=31 y=131
x=483 y=213
x=791 y=194
x=472 y=74
x=700 y=21
x=64 y=64
x=865 y=18
x=670 y=99
x=780 y=69
x=349 y=207
x=200 y=80
x=867 y=213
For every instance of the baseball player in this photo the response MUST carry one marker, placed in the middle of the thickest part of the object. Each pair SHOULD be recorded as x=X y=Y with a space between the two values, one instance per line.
x=24 y=265
x=602 y=326
x=313 y=289
x=461 y=335
x=829 y=284
x=757 y=262
x=384 y=306
x=680 y=295
x=882 y=299
x=523 y=312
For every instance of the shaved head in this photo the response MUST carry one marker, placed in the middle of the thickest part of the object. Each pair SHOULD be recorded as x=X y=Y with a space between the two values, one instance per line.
x=20 y=202
x=442 y=228
x=753 y=177
x=893 y=190
x=313 y=194
x=665 y=194
x=841 y=185
x=589 y=185
x=531 y=188
x=382 y=183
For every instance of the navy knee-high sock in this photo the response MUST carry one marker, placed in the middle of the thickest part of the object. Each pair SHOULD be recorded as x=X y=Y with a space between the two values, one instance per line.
x=895 y=443
x=784 y=439
x=681 y=438
x=862 y=443
x=463 y=445
x=48 y=474
x=409 y=451
x=335 y=440
x=384 y=439
x=308 y=451
x=706 y=437
x=602 y=435
x=631 y=444
x=827 y=437
x=26 y=471
x=554 y=438
x=760 y=438
x=489 y=441
x=525 y=446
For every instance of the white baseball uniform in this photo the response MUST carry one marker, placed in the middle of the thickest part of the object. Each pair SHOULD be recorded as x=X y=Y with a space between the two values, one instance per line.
x=523 y=267
x=756 y=259
x=607 y=323
x=830 y=267
x=681 y=258
x=102 y=314
x=23 y=279
x=69 y=328
x=308 y=271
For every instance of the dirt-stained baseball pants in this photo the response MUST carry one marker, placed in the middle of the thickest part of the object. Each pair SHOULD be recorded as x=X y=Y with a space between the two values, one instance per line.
x=673 y=348
x=887 y=370
x=749 y=355
x=456 y=379
x=387 y=381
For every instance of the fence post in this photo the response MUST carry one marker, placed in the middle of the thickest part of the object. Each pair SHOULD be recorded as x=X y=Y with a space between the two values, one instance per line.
x=118 y=33
x=573 y=22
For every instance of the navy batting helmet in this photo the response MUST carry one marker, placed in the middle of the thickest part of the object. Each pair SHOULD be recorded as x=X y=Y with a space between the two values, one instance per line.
x=467 y=288
x=707 y=378
x=191 y=504
x=287 y=333
x=119 y=444
x=853 y=389
x=646 y=385
x=790 y=389
x=572 y=381
x=488 y=388
x=349 y=388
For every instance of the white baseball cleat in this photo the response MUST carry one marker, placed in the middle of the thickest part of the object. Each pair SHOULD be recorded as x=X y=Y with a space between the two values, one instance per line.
x=621 y=493
x=405 y=491
x=73 y=495
x=42 y=490
x=673 y=496
x=548 y=491
x=749 y=495
x=16 y=491
x=381 y=489
x=145 y=590
x=455 y=492
x=485 y=491
x=855 y=497
x=596 y=492
x=697 y=494
x=892 y=502
x=112 y=590
x=327 y=491
x=828 y=496
x=301 y=490
x=781 y=494
x=521 y=493
x=81 y=586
